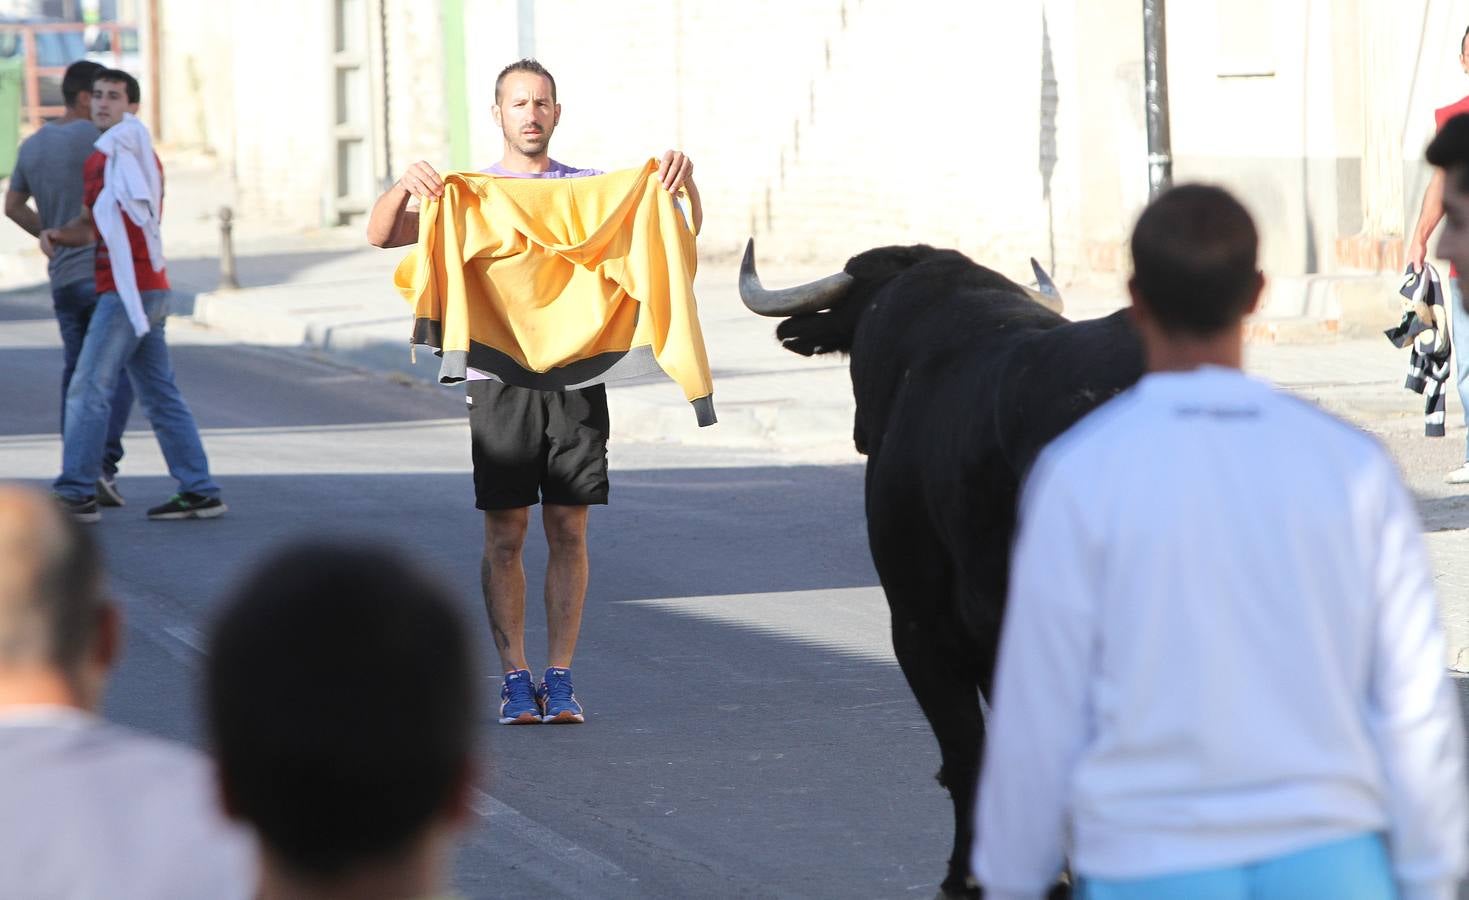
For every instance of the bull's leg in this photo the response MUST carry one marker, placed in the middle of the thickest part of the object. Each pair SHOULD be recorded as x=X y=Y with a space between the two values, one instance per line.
x=940 y=670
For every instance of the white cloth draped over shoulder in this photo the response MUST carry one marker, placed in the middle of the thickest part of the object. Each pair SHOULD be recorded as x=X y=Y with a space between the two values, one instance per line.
x=132 y=186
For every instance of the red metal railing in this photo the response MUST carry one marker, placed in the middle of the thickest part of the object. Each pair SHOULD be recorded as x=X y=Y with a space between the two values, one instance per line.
x=35 y=112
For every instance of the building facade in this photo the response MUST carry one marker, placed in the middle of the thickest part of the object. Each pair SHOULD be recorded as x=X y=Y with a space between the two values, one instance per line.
x=824 y=127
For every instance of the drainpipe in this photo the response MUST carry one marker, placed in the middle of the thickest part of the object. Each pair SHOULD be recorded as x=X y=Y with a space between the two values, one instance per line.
x=1155 y=88
x=456 y=86
x=154 y=109
x=390 y=174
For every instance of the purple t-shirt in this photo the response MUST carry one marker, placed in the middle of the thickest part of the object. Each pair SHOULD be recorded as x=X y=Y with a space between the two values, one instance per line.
x=557 y=170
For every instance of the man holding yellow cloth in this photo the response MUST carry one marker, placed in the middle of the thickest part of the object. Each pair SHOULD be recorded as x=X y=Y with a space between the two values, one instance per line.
x=530 y=445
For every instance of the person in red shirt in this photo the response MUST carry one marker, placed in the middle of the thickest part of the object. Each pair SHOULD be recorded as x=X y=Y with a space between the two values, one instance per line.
x=1429 y=215
x=123 y=198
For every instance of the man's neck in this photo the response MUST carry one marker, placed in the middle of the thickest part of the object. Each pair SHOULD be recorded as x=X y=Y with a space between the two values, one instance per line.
x=420 y=874
x=74 y=115
x=514 y=161
x=40 y=687
x=1174 y=353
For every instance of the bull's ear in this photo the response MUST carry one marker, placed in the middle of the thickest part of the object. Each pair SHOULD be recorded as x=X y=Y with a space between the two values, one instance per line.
x=1045 y=292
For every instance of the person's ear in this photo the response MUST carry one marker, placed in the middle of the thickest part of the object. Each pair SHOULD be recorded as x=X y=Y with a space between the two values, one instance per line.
x=556 y=119
x=459 y=810
x=1257 y=291
x=107 y=646
x=225 y=796
x=495 y=114
x=1138 y=309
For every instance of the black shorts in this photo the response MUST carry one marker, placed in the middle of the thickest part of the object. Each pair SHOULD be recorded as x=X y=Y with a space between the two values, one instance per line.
x=537 y=446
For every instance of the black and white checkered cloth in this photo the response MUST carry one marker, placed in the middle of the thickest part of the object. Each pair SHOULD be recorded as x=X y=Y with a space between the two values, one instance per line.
x=1424 y=328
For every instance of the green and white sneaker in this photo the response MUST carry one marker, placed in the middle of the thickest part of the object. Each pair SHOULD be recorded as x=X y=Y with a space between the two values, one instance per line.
x=188 y=506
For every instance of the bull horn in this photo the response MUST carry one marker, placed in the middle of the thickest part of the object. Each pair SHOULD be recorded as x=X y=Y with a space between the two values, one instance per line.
x=1044 y=292
x=792 y=301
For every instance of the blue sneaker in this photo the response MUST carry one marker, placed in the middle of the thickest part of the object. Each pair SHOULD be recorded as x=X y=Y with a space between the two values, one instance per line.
x=518 y=702
x=558 y=701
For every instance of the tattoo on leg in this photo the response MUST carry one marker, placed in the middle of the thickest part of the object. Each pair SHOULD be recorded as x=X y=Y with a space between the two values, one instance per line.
x=502 y=640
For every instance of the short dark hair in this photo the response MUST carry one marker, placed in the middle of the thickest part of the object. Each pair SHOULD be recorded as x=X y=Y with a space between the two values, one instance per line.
x=51 y=589
x=118 y=76
x=1449 y=150
x=340 y=692
x=1194 y=254
x=79 y=77
x=524 y=65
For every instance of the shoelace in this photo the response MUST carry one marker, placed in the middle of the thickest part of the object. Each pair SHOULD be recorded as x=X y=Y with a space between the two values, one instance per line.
x=519 y=690
x=559 y=689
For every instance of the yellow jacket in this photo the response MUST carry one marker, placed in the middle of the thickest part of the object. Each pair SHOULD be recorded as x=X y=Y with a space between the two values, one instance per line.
x=558 y=283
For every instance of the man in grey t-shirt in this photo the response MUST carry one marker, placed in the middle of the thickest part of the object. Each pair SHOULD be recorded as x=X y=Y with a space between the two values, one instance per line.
x=49 y=168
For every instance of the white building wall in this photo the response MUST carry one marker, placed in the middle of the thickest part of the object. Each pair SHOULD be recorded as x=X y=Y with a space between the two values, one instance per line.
x=824 y=127
x=197 y=62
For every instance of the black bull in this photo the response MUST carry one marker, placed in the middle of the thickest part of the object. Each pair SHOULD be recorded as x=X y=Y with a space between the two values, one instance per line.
x=960 y=379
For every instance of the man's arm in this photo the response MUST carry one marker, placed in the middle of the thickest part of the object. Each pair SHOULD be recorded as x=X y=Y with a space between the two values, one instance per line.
x=1038 y=723
x=392 y=223
x=76 y=233
x=1428 y=219
x=677 y=171
x=18 y=210
x=1412 y=712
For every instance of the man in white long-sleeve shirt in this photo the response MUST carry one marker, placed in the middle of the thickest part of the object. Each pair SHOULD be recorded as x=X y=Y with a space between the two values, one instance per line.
x=1221 y=672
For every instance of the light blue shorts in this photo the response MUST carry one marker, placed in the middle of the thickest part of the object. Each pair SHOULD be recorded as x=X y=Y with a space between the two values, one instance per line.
x=1351 y=869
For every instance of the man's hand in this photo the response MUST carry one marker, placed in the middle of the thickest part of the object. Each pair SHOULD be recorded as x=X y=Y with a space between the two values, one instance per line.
x=1417 y=253
x=48 y=245
x=422 y=181
x=674 y=170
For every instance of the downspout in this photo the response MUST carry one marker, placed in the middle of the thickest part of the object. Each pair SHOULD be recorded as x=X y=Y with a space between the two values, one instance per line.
x=525 y=28
x=1155 y=88
x=155 y=102
x=456 y=85
x=389 y=174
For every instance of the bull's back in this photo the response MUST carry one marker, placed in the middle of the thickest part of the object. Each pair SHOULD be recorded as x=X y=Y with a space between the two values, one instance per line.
x=961 y=431
x=1057 y=377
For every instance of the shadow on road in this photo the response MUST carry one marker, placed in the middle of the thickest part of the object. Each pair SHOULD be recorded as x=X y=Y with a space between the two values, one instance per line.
x=194 y=275
x=312 y=393
x=1444 y=513
x=716 y=759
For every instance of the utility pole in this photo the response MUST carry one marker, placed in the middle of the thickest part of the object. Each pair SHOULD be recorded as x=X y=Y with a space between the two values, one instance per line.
x=1155 y=88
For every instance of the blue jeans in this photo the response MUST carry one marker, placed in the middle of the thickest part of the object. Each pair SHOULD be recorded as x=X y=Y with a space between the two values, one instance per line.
x=74 y=304
x=110 y=347
x=1352 y=869
x=1459 y=337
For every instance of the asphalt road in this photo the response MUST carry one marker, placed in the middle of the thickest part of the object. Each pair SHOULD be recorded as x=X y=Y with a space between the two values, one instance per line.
x=748 y=733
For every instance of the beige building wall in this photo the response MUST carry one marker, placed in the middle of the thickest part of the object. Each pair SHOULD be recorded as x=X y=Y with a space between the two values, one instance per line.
x=850 y=125
x=196 y=67
x=825 y=127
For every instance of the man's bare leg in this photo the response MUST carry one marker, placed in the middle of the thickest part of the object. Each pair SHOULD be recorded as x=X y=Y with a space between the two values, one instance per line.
x=502 y=577
x=566 y=579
